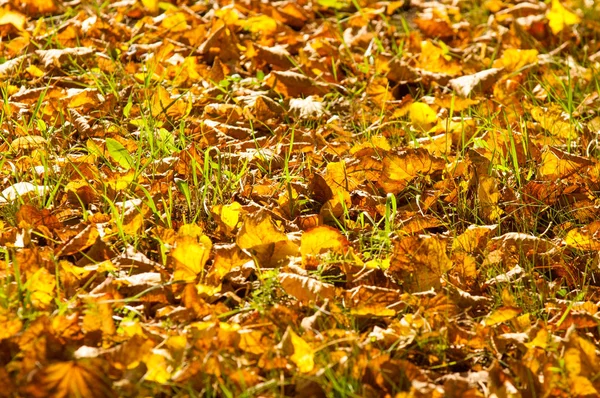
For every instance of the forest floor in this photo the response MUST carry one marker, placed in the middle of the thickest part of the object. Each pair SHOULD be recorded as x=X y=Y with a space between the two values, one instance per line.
x=324 y=198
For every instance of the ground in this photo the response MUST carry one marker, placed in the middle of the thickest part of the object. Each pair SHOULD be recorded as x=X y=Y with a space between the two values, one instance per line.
x=321 y=198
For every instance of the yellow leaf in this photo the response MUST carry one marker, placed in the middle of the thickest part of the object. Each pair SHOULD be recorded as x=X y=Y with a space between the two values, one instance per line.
x=474 y=238
x=581 y=387
x=258 y=229
x=320 y=240
x=151 y=5
x=228 y=216
x=555 y=121
x=262 y=24
x=501 y=315
x=189 y=256
x=10 y=324
x=13 y=18
x=489 y=196
x=557 y=164
x=159 y=370
x=41 y=285
x=81 y=378
x=514 y=59
x=399 y=169
x=559 y=17
x=585 y=238
x=301 y=353
x=422 y=116
x=250 y=341
x=420 y=261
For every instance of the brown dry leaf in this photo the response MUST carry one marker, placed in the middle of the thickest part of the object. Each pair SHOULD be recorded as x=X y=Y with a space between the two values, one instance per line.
x=304 y=288
x=558 y=164
x=556 y=122
x=476 y=83
x=56 y=58
x=30 y=215
x=72 y=379
x=474 y=239
x=292 y=84
x=80 y=242
x=401 y=168
x=420 y=261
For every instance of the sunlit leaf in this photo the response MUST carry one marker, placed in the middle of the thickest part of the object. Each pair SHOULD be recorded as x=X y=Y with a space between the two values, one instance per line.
x=422 y=116
x=320 y=240
x=80 y=378
x=514 y=59
x=119 y=154
x=559 y=164
x=559 y=17
x=190 y=256
x=304 y=288
x=585 y=238
x=420 y=261
x=401 y=168
x=258 y=229
x=502 y=315
x=299 y=351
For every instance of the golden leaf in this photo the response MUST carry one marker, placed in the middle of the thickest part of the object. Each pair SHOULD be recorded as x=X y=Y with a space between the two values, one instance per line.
x=10 y=324
x=514 y=59
x=298 y=350
x=320 y=240
x=401 y=168
x=258 y=229
x=502 y=315
x=422 y=116
x=72 y=379
x=555 y=121
x=304 y=288
x=41 y=285
x=228 y=216
x=489 y=197
x=558 y=164
x=189 y=256
x=420 y=261
x=585 y=238
x=559 y=17
x=474 y=238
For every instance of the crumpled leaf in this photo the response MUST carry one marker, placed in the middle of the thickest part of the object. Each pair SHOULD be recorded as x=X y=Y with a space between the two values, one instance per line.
x=400 y=168
x=420 y=261
x=71 y=379
x=292 y=84
x=304 y=288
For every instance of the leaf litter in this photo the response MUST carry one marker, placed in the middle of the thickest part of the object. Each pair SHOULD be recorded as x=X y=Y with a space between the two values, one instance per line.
x=329 y=198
